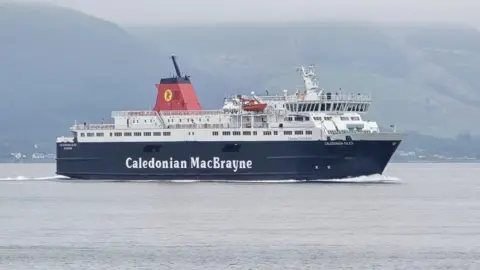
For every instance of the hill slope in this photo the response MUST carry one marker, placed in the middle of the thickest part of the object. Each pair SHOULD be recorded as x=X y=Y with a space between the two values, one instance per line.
x=59 y=65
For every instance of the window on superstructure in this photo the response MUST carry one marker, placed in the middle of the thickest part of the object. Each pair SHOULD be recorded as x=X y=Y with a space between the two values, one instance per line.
x=226 y=133
x=298 y=118
x=236 y=133
x=344 y=118
x=267 y=133
x=301 y=107
x=127 y=134
x=99 y=134
x=137 y=134
x=166 y=133
x=307 y=118
x=147 y=134
x=287 y=133
x=308 y=132
x=254 y=133
x=157 y=134
x=247 y=133
x=82 y=134
x=118 y=134
x=215 y=133
x=355 y=118
x=90 y=134
x=298 y=132
x=275 y=133
x=289 y=119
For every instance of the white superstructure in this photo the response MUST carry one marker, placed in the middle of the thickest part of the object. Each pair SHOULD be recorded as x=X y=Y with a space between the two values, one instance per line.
x=311 y=114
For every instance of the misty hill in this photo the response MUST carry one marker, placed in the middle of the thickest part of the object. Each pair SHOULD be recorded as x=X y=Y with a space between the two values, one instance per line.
x=59 y=65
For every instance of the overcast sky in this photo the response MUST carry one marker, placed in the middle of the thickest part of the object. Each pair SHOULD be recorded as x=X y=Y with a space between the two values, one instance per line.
x=173 y=11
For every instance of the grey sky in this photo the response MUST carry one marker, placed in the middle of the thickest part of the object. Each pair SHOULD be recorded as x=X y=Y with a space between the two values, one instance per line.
x=174 y=11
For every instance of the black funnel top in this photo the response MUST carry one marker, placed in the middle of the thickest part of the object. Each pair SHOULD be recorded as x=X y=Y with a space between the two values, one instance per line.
x=177 y=69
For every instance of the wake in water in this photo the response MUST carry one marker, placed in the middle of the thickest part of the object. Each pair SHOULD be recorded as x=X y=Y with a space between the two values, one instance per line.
x=371 y=179
x=25 y=178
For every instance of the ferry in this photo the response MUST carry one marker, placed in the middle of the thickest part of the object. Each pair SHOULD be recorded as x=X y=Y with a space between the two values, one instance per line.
x=307 y=134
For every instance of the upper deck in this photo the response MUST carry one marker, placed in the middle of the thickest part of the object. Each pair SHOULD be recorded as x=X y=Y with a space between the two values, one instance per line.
x=311 y=111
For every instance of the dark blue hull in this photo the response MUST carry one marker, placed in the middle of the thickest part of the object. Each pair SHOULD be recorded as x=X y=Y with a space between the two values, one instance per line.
x=263 y=160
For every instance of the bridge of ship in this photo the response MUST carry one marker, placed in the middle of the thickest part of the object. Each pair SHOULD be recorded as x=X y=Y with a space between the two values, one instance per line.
x=331 y=103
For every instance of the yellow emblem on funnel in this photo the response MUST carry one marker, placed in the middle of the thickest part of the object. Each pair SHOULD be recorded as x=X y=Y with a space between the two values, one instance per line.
x=168 y=95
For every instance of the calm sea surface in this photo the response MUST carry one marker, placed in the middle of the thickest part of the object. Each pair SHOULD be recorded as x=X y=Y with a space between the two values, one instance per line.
x=417 y=216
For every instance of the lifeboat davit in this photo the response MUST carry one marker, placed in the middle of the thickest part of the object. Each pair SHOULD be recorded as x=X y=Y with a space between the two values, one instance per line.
x=253 y=106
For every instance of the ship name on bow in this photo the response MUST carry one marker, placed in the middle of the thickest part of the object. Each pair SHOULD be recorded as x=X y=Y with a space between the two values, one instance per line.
x=339 y=143
x=195 y=163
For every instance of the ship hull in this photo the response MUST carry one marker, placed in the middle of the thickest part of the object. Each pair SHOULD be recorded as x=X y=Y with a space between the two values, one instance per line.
x=236 y=160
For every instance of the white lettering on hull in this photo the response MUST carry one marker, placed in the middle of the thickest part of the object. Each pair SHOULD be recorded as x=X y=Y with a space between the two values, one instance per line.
x=339 y=143
x=195 y=163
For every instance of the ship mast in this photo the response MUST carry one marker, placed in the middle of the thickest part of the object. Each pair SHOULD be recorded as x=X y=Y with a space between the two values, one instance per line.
x=310 y=80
